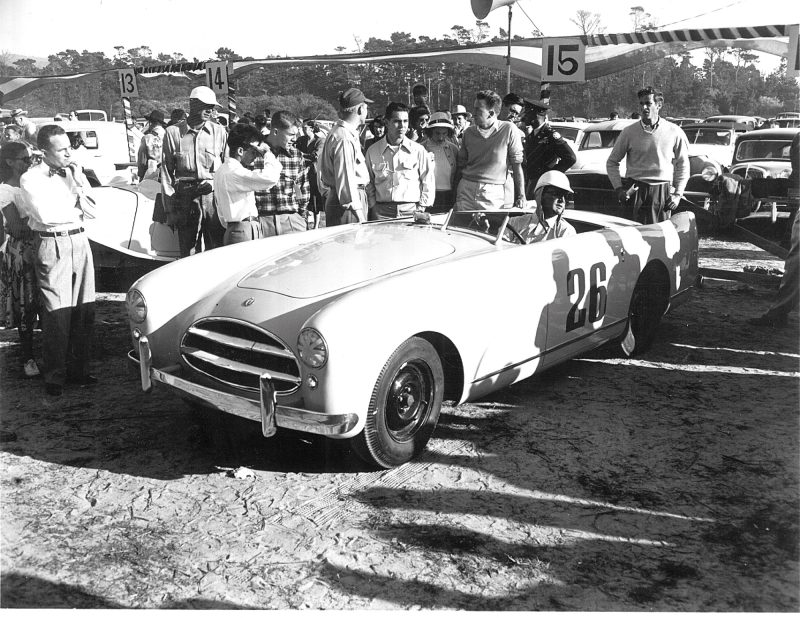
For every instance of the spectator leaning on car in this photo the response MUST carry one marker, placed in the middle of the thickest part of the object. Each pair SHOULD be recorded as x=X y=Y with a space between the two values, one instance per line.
x=656 y=153
x=51 y=196
x=282 y=208
x=400 y=171
x=488 y=148
x=342 y=168
x=235 y=186
x=193 y=150
x=545 y=149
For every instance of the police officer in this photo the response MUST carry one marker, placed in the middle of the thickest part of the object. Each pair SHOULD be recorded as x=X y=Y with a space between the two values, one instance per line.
x=545 y=149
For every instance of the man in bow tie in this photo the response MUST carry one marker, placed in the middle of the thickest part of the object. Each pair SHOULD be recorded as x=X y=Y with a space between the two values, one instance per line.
x=51 y=199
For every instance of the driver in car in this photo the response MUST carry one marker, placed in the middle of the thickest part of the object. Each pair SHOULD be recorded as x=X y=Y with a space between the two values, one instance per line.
x=550 y=193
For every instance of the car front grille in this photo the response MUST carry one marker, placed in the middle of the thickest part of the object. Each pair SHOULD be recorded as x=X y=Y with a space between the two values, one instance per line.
x=237 y=353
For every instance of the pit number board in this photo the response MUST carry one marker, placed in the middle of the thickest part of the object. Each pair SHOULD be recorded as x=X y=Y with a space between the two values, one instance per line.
x=563 y=60
x=217 y=77
x=127 y=83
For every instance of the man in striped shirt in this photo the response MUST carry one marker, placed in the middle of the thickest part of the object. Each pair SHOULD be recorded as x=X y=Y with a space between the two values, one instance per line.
x=282 y=209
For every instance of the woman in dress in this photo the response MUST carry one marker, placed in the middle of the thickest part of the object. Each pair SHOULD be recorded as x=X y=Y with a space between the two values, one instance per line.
x=17 y=270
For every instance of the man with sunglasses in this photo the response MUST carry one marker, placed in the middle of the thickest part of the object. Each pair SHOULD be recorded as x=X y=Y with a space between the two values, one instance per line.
x=52 y=194
x=192 y=151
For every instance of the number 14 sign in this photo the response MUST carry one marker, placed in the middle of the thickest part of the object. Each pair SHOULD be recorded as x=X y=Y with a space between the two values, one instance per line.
x=563 y=60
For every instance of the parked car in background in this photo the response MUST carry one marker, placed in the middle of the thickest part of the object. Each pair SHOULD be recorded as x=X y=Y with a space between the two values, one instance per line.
x=763 y=153
x=570 y=131
x=740 y=123
x=715 y=140
x=684 y=121
x=788 y=122
x=295 y=331
x=788 y=115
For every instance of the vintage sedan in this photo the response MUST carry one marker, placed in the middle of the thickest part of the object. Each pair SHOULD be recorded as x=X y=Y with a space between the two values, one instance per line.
x=359 y=332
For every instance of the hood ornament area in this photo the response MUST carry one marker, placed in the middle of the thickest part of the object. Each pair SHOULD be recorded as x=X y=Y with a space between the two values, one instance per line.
x=248 y=302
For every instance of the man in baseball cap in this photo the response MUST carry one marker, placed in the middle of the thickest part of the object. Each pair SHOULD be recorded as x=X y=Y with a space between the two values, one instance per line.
x=193 y=150
x=342 y=167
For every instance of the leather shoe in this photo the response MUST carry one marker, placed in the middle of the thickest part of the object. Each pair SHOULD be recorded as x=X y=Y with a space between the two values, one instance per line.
x=87 y=380
x=768 y=320
x=54 y=389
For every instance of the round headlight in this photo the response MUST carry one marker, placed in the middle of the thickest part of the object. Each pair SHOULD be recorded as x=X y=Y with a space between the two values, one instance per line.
x=312 y=348
x=137 y=307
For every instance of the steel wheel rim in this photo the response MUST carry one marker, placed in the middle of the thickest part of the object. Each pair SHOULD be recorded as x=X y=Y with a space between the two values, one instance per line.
x=409 y=399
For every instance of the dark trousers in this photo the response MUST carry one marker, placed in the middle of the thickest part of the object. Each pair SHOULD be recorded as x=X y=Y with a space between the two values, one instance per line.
x=336 y=215
x=444 y=201
x=65 y=274
x=197 y=223
x=649 y=201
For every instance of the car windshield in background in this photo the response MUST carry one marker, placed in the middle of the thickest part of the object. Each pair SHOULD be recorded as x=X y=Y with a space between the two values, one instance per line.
x=754 y=150
x=708 y=136
x=598 y=139
x=568 y=132
x=489 y=224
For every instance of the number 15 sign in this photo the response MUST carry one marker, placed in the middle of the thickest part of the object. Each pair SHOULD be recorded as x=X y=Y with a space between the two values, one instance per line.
x=563 y=60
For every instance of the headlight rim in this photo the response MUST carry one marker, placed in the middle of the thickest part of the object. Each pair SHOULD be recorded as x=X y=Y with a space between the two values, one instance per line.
x=131 y=303
x=301 y=347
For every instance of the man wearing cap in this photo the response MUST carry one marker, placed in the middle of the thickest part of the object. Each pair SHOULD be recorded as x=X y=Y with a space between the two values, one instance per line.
x=193 y=149
x=656 y=153
x=400 y=171
x=20 y=118
x=51 y=198
x=488 y=148
x=442 y=147
x=461 y=118
x=149 y=156
x=342 y=167
x=545 y=149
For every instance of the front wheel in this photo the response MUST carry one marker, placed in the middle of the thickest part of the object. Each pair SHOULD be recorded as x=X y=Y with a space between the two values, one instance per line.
x=404 y=407
x=644 y=316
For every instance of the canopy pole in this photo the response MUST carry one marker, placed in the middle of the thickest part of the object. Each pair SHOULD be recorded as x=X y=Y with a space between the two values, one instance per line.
x=508 y=57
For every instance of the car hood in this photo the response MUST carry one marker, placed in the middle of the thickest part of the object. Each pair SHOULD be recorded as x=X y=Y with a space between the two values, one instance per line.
x=356 y=256
x=719 y=153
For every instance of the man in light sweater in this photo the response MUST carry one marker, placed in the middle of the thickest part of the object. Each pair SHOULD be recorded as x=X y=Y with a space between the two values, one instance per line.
x=657 y=160
x=488 y=149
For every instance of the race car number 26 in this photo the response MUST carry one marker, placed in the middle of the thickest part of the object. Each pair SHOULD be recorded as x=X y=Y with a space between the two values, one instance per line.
x=579 y=313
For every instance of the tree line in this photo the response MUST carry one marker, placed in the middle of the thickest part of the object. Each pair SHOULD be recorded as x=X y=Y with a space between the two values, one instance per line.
x=728 y=81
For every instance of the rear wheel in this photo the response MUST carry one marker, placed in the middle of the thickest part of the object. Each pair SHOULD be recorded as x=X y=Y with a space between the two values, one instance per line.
x=404 y=407
x=648 y=303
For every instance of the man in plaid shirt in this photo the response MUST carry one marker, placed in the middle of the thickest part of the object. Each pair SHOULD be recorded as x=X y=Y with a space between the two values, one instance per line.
x=282 y=209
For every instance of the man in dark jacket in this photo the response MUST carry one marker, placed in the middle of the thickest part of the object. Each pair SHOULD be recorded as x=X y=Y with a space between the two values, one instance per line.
x=545 y=149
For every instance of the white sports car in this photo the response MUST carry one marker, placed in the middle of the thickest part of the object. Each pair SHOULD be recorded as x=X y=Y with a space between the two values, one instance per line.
x=358 y=332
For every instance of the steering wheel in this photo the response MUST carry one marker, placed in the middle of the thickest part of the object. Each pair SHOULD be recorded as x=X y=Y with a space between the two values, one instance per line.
x=513 y=236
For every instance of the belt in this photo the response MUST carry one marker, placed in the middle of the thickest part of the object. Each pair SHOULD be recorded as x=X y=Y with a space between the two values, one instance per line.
x=245 y=220
x=77 y=230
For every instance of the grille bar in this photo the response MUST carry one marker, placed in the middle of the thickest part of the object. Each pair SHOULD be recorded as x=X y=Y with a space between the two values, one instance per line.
x=233 y=365
x=238 y=342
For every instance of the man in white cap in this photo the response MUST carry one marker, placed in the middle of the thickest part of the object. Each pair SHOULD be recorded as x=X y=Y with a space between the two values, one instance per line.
x=551 y=193
x=20 y=118
x=193 y=150
x=342 y=168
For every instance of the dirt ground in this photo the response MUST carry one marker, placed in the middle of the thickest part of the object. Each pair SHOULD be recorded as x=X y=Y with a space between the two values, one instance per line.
x=668 y=482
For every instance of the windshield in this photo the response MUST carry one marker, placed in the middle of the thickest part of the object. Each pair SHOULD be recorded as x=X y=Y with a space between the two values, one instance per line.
x=752 y=150
x=708 y=136
x=489 y=225
x=598 y=139
x=568 y=132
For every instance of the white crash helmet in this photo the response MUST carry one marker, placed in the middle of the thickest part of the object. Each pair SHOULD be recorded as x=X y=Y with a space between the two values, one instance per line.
x=554 y=178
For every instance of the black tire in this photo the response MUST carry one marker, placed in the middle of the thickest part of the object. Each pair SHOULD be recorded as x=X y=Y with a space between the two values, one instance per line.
x=404 y=407
x=648 y=303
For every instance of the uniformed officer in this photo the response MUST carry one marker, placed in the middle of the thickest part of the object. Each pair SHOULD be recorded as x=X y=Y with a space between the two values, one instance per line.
x=545 y=149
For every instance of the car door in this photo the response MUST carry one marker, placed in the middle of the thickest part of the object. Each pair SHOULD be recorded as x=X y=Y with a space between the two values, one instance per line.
x=594 y=278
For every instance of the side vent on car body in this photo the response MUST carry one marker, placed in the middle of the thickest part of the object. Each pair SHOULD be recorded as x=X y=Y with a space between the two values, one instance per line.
x=237 y=353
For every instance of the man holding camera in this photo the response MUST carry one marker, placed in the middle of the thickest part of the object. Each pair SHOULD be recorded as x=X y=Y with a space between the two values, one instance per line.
x=193 y=150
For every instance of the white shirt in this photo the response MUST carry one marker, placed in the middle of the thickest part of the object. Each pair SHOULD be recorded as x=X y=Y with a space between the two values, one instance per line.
x=51 y=202
x=235 y=186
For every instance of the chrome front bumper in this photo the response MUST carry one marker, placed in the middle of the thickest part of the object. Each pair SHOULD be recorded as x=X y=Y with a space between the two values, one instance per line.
x=265 y=411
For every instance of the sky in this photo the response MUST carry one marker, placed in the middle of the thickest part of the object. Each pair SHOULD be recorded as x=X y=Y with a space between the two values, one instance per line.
x=259 y=28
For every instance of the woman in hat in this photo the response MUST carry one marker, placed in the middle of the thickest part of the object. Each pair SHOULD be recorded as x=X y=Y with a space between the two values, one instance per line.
x=19 y=297
x=440 y=133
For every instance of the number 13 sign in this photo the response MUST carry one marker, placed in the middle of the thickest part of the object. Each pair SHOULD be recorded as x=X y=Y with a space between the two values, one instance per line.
x=563 y=60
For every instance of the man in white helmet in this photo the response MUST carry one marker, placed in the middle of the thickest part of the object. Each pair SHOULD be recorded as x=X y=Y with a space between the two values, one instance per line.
x=551 y=193
x=193 y=150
